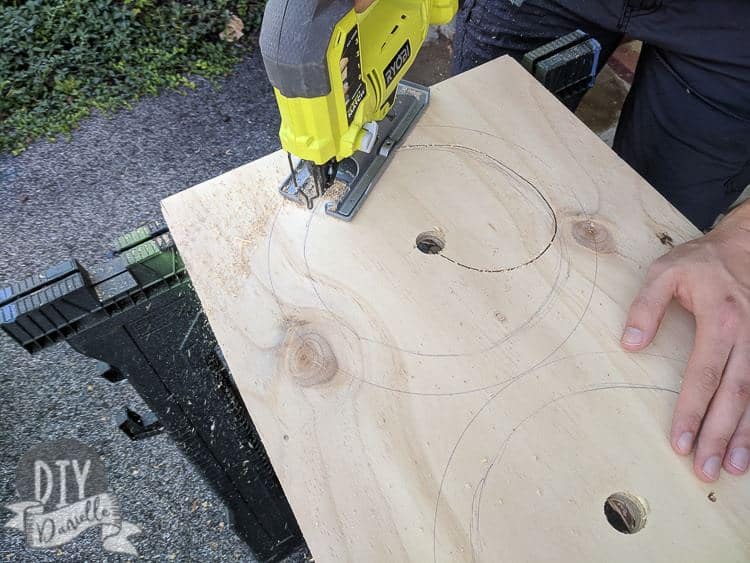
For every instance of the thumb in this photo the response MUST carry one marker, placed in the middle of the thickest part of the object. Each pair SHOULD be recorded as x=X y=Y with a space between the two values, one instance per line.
x=648 y=309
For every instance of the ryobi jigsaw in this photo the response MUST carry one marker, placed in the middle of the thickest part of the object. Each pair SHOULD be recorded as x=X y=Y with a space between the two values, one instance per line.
x=337 y=75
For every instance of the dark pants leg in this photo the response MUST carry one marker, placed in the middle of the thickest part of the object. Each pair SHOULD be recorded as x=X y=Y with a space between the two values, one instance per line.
x=686 y=123
x=487 y=29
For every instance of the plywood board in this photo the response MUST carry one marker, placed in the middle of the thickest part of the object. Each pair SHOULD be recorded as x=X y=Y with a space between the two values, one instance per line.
x=471 y=405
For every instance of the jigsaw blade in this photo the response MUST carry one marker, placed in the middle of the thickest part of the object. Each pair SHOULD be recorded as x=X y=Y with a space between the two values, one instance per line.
x=359 y=172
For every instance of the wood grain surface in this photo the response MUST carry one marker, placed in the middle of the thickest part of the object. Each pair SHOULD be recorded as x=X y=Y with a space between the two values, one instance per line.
x=474 y=404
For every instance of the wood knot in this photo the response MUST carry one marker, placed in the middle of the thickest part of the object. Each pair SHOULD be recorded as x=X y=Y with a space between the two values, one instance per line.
x=309 y=359
x=593 y=236
x=666 y=240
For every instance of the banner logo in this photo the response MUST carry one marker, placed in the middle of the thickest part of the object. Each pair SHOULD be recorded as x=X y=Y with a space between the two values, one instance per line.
x=63 y=491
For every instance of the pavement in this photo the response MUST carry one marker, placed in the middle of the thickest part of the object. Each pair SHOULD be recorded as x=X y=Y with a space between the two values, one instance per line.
x=71 y=199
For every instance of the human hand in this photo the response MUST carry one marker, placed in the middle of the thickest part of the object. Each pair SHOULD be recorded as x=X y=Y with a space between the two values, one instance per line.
x=710 y=277
x=362 y=5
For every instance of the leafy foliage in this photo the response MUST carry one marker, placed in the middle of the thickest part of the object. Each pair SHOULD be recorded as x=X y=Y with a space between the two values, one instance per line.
x=61 y=59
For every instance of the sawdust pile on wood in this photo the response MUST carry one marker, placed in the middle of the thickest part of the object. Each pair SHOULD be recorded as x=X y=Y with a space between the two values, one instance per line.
x=335 y=192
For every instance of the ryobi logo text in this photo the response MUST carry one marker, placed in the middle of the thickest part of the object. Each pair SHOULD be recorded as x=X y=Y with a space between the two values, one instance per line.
x=397 y=63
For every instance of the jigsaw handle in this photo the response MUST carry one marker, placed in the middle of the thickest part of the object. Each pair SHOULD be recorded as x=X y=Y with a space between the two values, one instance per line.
x=296 y=34
x=442 y=11
x=335 y=69
x=294 y=42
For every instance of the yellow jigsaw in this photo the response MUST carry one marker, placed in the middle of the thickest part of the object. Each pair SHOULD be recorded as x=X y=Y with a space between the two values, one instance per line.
x=337 y=75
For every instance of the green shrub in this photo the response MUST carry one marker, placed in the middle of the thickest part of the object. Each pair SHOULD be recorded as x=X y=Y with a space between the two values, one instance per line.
x=61 y=59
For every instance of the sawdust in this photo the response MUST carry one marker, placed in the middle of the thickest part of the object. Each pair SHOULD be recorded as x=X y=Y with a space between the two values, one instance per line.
x=336 y=192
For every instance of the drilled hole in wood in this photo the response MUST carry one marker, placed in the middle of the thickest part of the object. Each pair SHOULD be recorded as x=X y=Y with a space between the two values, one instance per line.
x=626 y=513
x=430 y=242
